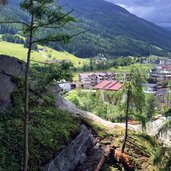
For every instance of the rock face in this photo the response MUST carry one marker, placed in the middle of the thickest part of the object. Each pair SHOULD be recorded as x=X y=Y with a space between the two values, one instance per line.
x=9 y=68
x=74 y=154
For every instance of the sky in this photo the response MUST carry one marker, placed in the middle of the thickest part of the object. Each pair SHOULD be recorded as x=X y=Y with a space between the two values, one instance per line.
x=157 y=11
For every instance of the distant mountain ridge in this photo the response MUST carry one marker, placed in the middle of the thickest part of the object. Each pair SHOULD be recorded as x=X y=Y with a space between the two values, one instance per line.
x=111 y=30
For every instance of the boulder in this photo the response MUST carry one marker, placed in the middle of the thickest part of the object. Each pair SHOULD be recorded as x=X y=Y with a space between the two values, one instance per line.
x=10 y=68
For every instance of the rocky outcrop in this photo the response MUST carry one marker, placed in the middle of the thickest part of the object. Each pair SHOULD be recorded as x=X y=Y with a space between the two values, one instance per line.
x=66 y=105
x=9 y=68
x=74 y=154
x=152 y=127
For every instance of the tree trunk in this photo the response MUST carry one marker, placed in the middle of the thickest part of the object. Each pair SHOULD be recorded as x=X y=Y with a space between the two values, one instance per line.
x=126 y=119
x=26 y=97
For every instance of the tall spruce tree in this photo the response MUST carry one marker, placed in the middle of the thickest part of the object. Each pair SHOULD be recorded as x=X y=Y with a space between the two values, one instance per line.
x=44 y=14
x=47 y=17
x=132 y=99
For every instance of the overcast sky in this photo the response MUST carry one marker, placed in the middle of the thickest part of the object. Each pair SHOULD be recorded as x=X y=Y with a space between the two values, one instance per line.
x=157 y=11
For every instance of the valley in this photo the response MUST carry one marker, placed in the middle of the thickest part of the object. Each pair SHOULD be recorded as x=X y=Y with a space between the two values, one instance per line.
x=84 y=86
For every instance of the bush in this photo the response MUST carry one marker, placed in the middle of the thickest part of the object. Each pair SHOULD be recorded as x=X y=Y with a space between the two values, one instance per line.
x=49 y=130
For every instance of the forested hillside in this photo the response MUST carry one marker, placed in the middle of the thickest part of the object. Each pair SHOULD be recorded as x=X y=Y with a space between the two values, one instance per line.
x=114 y=30
x=110 y=30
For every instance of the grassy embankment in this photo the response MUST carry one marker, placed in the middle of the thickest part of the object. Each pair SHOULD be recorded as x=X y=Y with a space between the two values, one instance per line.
x=143 y=152
x=144 y=67
x=18 y=51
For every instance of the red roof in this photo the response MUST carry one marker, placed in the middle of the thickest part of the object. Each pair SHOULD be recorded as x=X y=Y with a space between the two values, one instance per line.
x=116 y=87
x=109 y=85
x=102 y=84
x=167 y=67
x=112 y=83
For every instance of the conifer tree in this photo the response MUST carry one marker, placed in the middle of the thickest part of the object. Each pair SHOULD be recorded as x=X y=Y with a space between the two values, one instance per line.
x=133 y=97
x=44 y=16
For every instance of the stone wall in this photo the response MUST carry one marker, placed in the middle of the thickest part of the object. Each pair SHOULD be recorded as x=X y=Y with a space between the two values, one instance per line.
x=74 y=154
x=9 y=68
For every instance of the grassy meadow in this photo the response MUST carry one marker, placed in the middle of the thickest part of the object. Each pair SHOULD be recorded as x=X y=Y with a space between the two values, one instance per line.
x=18 y=51
x=144 y=67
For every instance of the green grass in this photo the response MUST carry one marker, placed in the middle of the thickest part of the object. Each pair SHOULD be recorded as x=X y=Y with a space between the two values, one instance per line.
x=49 y=130
x=140 y=147
x=65 y=56
x=18 y=51
x=145 y=67
x=120 y=69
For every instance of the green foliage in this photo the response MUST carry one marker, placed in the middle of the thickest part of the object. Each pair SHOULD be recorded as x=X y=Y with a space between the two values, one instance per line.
x=47 y=73
x=162 y=158
x=136 y=94
x=151 y=140
x=12 y=38
x=50 y=129
x=45 y=17
x=107 y=64
x=150 y=105
x=26 y=45
x=18 y=51
x=165 y=127
x=111 y=31
x=43 y=79
x=101 y=103
x=169 y=84
x=74 y=99
x=167 y=113
x=141 y=148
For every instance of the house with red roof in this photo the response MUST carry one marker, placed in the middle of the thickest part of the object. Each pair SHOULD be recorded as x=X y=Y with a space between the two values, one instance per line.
x=109 y=85
x=90 y=80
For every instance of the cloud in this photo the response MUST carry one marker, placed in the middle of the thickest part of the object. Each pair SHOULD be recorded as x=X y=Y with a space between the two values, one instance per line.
x=157 y=11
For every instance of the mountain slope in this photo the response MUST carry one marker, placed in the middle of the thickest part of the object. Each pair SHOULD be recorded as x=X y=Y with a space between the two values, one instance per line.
x=18 y=51
x=110 y=30
x=118 y=26
x=118 y=21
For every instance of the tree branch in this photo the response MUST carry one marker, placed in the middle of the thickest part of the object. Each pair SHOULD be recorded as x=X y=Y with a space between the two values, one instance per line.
x=57 y=27
x=54 y=20
x=55 y=39
x=14 y=22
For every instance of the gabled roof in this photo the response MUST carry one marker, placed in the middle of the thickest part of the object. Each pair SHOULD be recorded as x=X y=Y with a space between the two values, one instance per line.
x=167 y=67
x=109 y=85
x=102 y=84
x=116 y=87
x=150 y=85
x=112 y=83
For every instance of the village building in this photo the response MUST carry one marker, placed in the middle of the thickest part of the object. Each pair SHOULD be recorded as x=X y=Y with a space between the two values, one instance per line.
x=160 y=73
x=163 y=95
x=165 y=62
x=150 y=88
x=109 y=85
x=90 y=80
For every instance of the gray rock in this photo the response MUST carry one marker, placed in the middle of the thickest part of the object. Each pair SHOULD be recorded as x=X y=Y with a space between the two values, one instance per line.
x=9 y=68
x=74 y=154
